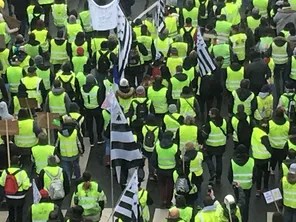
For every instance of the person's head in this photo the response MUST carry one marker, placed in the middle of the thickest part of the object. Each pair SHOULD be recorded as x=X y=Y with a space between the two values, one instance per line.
x=168 y=135
x=189 y=3
x=241 y=150
x=140 y=91
x=67 y=67
x=144 y=30
x=214 y=113
x=23 y=114
x=292 y=31
x=255 y=55
x=291 y=154
x=72 y=19
x=208 y=201
x=51 y=161
x=157 y=81
x=57 y=84
x=292 y=169
x=222 y=18
x=151 y=120
x=263 y=21
x=74 y=108
x=189 y=120
x=44 y=195
x=74 y=12
x=40 y=25
x=38 y=60
x=90 y=80
x=123 y=84
x=60 y=34
x=289 y=86
x=189 y=146
x=53 y=215
x=80 y=36
x=86 y=177
x=32 y=37
x=188 y=21
x=240 y=108
x=42 y=139
x=277 y=217
x=174 y=52
x=179 y=69
x=31 y=71
x=180 y=201
x=281 y=34
x=255 y=11
x=172 y=108
x=14 y=161
x=279 y=112
x=220 y=61
x=174 y=213
x=245 y=84
x=80 y=51
x=77 y=211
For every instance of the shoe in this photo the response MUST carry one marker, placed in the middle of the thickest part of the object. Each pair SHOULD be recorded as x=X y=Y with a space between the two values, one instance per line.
x=271 y=172
x=258 y=193
x=101 y=141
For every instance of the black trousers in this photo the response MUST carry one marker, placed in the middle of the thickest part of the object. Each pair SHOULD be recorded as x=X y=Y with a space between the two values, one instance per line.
x=131 y=73
x=15 y=209
x=245 y=213
x=212 y=168
x=46 y=8
x=90 y=116
x=262 y=170
x=277 y=157
x=280 y=76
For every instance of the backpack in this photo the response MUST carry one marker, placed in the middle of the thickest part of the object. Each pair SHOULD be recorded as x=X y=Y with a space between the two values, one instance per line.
x=156 y=71
x=133 y=57
x=56 y=187
x=188 y=38
x=11 y=185
x=182 y=186
x=67 y=85
x=141 y=110
x=291 y=107
x=149 y=140
x=202 y=11
x=103 y=62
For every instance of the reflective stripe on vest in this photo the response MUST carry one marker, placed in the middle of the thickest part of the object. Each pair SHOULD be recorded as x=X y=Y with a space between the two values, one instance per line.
x=143 y=196
x=14 y=76
x=158 y=99
x=259 y=151
x=193 y=14
x=239 y=45
x=216 y=136
x=56 y=103
x=278 y=134
x=224 y=51
x=172 y=63
x=177 y=87
x=166 y=157
x=289 y=193
x=72 y=30
x=187 y=106
x=246 y=103
x=265 y=108
x=171 y=25
x=163 y=45
x=85 y=18
x=41 y=211
x=90 y=99
x=279 y=54
x=26 y=137
x=68 y=145
x=45 y=76
x=41 y=154
x=234 y=78
x=58 y=52
x=293 y=68
x=243 y=174
x=187 y=133
x=147 y=42
x=196 y=164
x=32 y=85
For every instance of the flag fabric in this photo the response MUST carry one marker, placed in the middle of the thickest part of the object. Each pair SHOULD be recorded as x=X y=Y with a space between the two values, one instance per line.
x=127 y=207
x=160 y=16
x=103 y=17
x=124 y=34
x=204 y=60
x=36 y=193
x=125 y=152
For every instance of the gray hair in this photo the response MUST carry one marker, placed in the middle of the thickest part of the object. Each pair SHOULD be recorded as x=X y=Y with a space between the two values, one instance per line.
x=189 y=120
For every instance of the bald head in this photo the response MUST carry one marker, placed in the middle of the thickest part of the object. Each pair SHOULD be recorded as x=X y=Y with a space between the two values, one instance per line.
x=174 y=213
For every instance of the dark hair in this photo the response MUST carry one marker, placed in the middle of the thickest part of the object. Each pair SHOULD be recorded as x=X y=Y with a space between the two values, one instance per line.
x=291 y=154
x=86 y=176
x=240 y=108
x=74 y=12
x=208 y=201
x=245 y=84
x=215 y=112
x=188 y=20
x=277 y=217
x=144 y=29
x=53 y=215
x=60 y=33
x=42 y=139
x=57 y=83
x=14 y=160
x=32 y=37
x=279 y=112
x=23 y=114
x=180 y=201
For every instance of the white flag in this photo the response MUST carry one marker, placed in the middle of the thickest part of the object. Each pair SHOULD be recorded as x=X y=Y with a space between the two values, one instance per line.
x=36 y=193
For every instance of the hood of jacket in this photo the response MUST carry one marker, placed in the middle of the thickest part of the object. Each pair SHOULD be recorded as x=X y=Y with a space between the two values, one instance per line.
x=240 y=159
x=33 y=42
x=166 y=143
x=243 y=94
x=125 y=95
x=218 y=121
x=292 y=38
x=57 y=91
x=191 y=154
x=235 y=66
x=4 y=112
x=241 y=116
x=279 y=120
x=59 y=41
x=181 y=77
x=279 y=41
x=291 y=178
x=263 y=95
x=286 y=10
x=68 y=128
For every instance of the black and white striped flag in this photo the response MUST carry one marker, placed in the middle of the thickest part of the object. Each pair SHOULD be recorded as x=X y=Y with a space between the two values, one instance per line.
x=127 y=207
x=204 y=60
x=160 y=16
x=124 y=33
x=125 y=152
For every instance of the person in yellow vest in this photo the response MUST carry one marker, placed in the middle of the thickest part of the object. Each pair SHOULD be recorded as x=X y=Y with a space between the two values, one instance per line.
x=188 y=33
x=292 y=68
x=34 y=86
x=145 y=201
x=41 y=211
x=34 y=13
x=261 y=152
x=172 y=120
x=287 y=162
x=59 y=51
x=84 y=17
x=125 y=95
x=69 y=146
x=162 y=43
x=59 y=11
x=253 y=20
x=41 y=152
x=57 y=100
x=16 y=202
x=238 y=43
x=208 y=212
x=280 y=52
x=171 y=23
x=264 y=104
x=165 y=158
x=46 y=5
x=93 y=97
x=234 y=75
x=137 y=27
x=181 y=47
x=215 y=135
x=42 y=35
x=244 y=96
x=44 y=72
x=5 y=30
x=176 y=84
x=96 y=40
x=278 y=132
x=147 y=41
x=173 y=61
x=90 y=197
x=73 y=28
x=287 y=100
x=46 y=176
x=3 y=91
x=174 y=216
x=265 y=38
x=222 y=49
x=231 y=10
x=69 y=81
x=190 y=11
x=223 y=29
x=241 y=127
x=185 y=211
x=288 y=188
x=148 y=21
x=242 y=171
x=4 y=59
x=32 y=47
x=187 y=104
x=79 y=60
x=27 y=138
x=80 y=41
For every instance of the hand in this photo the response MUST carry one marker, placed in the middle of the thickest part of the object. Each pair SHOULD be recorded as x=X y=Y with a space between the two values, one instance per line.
x=212 y=194
x=268 y=81
x=200 y=146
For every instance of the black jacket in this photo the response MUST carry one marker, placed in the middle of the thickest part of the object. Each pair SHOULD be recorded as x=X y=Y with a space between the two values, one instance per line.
x=242 y=94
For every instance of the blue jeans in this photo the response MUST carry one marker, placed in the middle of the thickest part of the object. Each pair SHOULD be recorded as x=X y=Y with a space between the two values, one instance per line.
x=71 y=165
x=107 y=142
x=289 y=214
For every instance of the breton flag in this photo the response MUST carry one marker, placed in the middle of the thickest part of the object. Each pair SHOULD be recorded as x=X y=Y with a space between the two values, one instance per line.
x=124 y=34
x=127 y=207
x=160 y=16
x=204 y=60
x=125 y=152
x=36 y=193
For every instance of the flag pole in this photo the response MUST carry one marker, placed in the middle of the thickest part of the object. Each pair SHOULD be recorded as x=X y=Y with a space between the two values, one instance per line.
x=111 y=165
